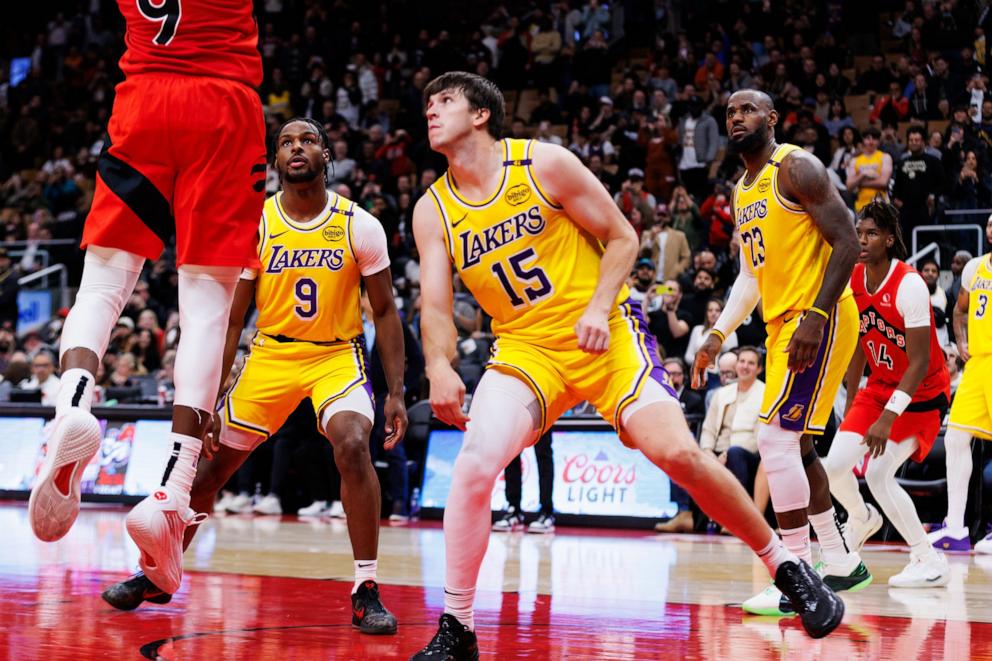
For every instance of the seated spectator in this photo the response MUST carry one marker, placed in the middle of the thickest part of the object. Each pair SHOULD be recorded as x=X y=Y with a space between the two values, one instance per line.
x=961 y=257
x=698 y=334
x=837 y=118
x=667 y=246
x=124 y=369
x=691 y=401
x=43 y=377
x=17 y=371
x=730 y=429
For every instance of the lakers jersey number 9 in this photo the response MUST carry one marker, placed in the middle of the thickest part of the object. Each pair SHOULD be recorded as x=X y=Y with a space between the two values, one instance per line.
x=309 y=274
x=780 y=243
x=530 y=267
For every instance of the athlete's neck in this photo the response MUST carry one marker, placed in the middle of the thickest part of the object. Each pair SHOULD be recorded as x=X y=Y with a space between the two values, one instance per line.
x=754 y=161
x=476 y=164
x=875 y=273
x=303 y=201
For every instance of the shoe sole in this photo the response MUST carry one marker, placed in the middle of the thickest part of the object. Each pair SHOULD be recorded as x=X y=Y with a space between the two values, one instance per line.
x=54 y=502
x=857 y=587
x=542 y=531
x=375 y=632
x=768 y=612
x=941 y=582
x=145 y=538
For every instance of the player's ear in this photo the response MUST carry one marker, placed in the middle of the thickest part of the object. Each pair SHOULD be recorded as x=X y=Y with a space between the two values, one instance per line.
x=772 y=118
x=481 y=117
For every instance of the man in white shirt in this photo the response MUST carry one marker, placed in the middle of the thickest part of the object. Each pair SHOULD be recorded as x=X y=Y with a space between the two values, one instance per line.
x=43 y=377
x=730 y=430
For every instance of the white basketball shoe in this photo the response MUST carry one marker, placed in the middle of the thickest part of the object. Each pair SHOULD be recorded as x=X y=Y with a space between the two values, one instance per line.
x=54 y=502
x=156 y=525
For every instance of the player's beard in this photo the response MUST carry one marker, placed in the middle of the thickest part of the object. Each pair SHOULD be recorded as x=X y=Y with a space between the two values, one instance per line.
x=750 y=143
x=302 y=176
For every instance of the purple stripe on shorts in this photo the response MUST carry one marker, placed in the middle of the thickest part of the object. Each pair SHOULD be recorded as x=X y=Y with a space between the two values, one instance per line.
x=658 y=372
x=796 y=409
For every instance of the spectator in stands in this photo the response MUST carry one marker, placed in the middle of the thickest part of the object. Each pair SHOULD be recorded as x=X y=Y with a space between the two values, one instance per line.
x=930 y=271
x=971 y=189
x=889 y=142
x=43 y=377
x=730 y=429
x=8 y=346
x=849 y=146
x=919 y=180
x=165 y=377
x=699 y=138
x=667 y=247
x=658 y=139
x=146 y=352
x=922 y=105
x=716 y=213
x=690 y=400
x=961 y=257
x=837 y=119
x=891 y=108
x=954 y=365
x=876 y=78
x=8 y=291
x=642 y=285
x=671 y=323
x=632 y=194
x=125 y=368
x=869 y=173
x=685 y=216
x=18 y=370
x=699 y=332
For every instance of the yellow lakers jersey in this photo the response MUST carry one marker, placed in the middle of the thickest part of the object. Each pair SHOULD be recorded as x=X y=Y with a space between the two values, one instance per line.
x=529 y=266
x=873 y=166
x=309 y=281
x=980 y=309
x=780 y=243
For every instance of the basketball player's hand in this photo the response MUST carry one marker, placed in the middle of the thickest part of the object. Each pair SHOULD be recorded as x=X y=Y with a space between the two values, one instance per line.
x=878 y=434
x=593 y=331
x=396 y=422
x=963 y=349
x=447 y=395
x=705 y=356
x=211 y=440
x=805 y=342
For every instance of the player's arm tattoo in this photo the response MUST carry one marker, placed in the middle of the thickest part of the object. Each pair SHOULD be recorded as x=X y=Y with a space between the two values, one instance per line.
x=805 y=181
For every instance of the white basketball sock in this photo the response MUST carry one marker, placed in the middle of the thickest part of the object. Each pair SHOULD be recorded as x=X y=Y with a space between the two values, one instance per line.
x=365 y=570
x=458 y=602
x=181 y=467
x=957 y=444
x=832 y=545
x=75 y=390
x=797 y=541
x=775 y=553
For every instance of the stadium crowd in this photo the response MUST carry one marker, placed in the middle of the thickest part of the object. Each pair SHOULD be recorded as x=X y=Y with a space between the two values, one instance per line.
x=894 y=103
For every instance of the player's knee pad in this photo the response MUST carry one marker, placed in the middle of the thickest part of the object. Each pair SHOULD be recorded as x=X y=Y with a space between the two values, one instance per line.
x=780 y=455
x=109 y=276
x=205 y=295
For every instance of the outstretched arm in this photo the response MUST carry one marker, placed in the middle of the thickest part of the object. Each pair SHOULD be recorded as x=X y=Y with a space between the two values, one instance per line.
x=804 y=180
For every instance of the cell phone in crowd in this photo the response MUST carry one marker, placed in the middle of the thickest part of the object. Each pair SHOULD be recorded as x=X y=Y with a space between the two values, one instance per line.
x=664 y=289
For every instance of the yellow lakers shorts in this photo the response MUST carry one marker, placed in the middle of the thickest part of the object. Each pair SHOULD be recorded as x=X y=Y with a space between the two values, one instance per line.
x=971 y=410
x=561 y=377
x=804 y=401
x=277 y=375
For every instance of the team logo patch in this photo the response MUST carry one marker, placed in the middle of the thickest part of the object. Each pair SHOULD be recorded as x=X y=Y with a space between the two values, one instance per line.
x=333 y=233
x=518 y=194
x=161 y=496
x=764 y=185
x=886 y=299
x=795 y=413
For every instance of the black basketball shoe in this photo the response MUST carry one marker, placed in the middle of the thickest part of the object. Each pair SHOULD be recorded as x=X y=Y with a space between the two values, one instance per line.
x=452 y=642
x=819 y=608
x=368 y=614
x=128 y=595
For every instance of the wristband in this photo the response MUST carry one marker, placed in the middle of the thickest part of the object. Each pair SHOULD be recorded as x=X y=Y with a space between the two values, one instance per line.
x=898 y=402
x=816 y=310
x=719 y=334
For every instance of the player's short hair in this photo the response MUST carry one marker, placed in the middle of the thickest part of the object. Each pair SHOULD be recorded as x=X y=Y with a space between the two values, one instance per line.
x=754 y=350
x=480 y=92
x=886 y=216
x=318 y=128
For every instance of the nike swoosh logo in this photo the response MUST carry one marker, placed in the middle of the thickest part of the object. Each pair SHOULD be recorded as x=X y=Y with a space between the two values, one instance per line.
x=455 y=223
x=363 y=566
x=276 y=236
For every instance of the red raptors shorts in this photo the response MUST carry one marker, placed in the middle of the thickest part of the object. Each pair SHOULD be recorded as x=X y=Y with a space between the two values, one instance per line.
x=186 y=156
x=923 y=425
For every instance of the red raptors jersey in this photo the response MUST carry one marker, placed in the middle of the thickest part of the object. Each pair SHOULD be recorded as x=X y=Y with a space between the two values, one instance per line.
x=217 y=38
x=883 y=336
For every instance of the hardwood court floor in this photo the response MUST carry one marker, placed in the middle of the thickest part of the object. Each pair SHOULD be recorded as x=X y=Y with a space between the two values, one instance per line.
x=271 y=588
